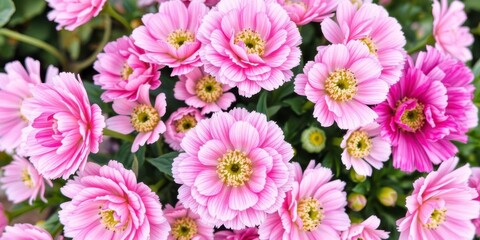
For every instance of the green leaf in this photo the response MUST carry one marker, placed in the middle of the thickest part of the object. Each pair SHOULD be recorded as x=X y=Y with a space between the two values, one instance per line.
x=164 y=162
x=262 y=103
x=363 y=187
x=296 y=103
x=273 y=110
x=6 y=11
x=26 y=10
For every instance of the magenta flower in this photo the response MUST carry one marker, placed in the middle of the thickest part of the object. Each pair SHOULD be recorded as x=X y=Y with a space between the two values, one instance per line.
x=70 y=14
x=139 y=116
x=21 y=181
x=121 y=72
x=186 y=225
x=363 y=147
x=235 y=168
x=25 y=231
x=370 y=24
x=201 y=90
x=242 y=234
x=108 y=203
x=169 y=36
x=450 y=36
x=15 y=86
x=314 y=207
x=257 y=52
x=302 y=12
x=474 y=182
x=64 y=129
x=178 y=124
x=365 y=230
x=441 y=205
x=342 y=81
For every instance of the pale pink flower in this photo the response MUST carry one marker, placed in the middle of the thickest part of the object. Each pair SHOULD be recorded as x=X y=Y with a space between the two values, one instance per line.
x=140 y=116
x=108 y=203
x=315 y=207
x=441 y=206
x=450 y=36
x=242 y=234
x=169 y=37
x=365 y=230
x=15 y=86
x=179 y=123
x=201 y=90
x=371 y=25
x=235 y=168
x=3 y=219
x=21 y=181
x=185 y=224
x=341 y=82
x=25 y=231
x=70 y=14
x=121 y=72
x=64 y=128
x=303 y=12
x=474 y=182
x=250 y=45
x=363 y=147
x=209 y=3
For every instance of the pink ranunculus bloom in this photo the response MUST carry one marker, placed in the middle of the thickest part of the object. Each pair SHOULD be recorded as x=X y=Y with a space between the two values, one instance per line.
x=363 y=147
x=365 y=230
x=25 y=231
x=15 y=87
x=202 y=90
x=441 y=206
x=179 y=123
x=474 y=182
x=64 y=128
x=235 y=168
x=108 y=203
x=450 y=36
x=302 y=12
x=3 y=219
x=169 y=37
x=70 y=14
x=121 y=72
x=140 y=116
x=251 y=45
x=185 y=224
x=314 y=207
x=242 y=234
x=371 y=25
x=21 y=181
x=341 y=82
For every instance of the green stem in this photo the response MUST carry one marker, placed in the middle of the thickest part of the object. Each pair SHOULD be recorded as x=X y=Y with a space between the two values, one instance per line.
x=158 y=185
x=108 y=132
x=35 y=42
x=337 y=141
x=427 y=41
x=27 y=208
x=111 y=11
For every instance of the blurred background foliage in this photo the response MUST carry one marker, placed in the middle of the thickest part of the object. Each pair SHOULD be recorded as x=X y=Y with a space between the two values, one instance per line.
x=293 y=113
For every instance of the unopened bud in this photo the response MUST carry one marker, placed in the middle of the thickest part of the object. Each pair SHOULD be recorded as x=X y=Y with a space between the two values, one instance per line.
x=357 y=177
x=387 y=196
x=356 y=201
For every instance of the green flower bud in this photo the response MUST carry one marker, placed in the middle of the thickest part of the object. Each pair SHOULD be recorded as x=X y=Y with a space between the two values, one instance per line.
x=387 y=196
x=356 y=201
x=357 y=177
x=313 y=139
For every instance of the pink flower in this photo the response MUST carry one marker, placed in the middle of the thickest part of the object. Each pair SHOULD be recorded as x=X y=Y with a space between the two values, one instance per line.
x=314 y=207
x=371 y=25
x=209 y=3
x=186 y=225
x=365 y=230
x=139 y=116
x=364 y=147
x=64 y=129
x=25 y=231
x=15 y=86
x=235 y=168
x=70 y=14
x=243 y=234
x=108 y=203
x=441 y=205
x=169 y=36
x=450 y=37
x=342 y=81
x=201 y=90
x=121 y=73
x=474 y=182
x=250 y=45
x=3 y=219
x=179 y=123
x=305 y=11
x=21 y=181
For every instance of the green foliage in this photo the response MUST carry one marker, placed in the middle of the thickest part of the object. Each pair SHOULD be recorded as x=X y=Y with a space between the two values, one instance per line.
x=6 y=11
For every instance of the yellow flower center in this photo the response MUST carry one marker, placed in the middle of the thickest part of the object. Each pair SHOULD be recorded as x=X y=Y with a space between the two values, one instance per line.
x=108 y=220
x=184 y=229
x=208 y=89
x=185 y=123
x=357 y=3
x=415 y=118
x=144 y=118
x=370 y=44
x=316 y=138
x=341 y=85
x=359 y=144
x=234 y=168
x=126 y=71
x=27 y=179
x=436 y=218
x=179 y=37
x=310 y=212
x=252 y=40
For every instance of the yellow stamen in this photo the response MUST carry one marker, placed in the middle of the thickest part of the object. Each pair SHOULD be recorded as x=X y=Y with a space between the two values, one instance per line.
x=184 y=229
x=252 y=40
x=208 y=89
x=108 y=220
x=185 y=123
x=179 y=37
x=359 y=144
x=341 y=85
x=310 y=212
x=126 y=71
x=234 y=168
x=144 y=118
x=370 y=44
x=436 y=218
x=27 y=179
x=415 y=118
x=316 y=138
